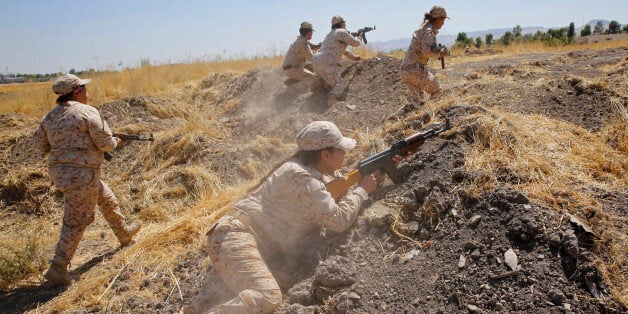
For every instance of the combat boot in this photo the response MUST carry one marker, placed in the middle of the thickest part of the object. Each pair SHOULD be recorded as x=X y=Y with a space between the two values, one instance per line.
x=58 y=273
x=125 y=233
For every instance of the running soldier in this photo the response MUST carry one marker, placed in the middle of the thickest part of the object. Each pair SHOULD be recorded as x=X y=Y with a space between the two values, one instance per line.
x=75 y=136
x=327 y=59
x=414 y=72
x=297 y=63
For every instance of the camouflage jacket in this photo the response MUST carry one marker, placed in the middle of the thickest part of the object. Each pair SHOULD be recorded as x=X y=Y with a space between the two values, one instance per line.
x=293 y=202
x=334 y=46
x=74 y=134
x=422 y=47
x=298 y=53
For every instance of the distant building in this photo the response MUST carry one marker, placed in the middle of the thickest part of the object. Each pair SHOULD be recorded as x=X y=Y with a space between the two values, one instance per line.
x=598 y=38
x=11 y=78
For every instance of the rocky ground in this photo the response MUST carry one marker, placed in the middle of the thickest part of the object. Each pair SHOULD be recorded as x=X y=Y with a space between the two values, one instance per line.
x=425 y=245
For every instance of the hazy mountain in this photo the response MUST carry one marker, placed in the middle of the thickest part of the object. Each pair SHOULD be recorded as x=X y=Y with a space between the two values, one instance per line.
x=449 y=40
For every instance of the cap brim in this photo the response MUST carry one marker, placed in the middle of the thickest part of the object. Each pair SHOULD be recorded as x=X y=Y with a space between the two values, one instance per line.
x=346 y=143
x=84 y=81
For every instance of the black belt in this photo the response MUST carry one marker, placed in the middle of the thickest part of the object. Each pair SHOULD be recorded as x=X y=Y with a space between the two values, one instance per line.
x=287 y=67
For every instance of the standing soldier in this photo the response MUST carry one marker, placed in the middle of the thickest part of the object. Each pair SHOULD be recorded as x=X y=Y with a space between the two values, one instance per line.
x=327 y=60
x=295 y=64
x=414 y=72
x=75 y=136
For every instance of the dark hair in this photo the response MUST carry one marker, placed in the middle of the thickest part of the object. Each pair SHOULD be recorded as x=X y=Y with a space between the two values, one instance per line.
x=428 y=17
x=69 y=96
x=304 y=31
x=64 y=98
x=337 y=25
x=310 y=158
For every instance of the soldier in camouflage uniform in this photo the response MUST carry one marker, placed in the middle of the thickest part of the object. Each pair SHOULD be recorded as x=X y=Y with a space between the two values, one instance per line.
x=299 y=57
x=414 y=72
x=291 y=204
x=75 y=136
x=327 y=59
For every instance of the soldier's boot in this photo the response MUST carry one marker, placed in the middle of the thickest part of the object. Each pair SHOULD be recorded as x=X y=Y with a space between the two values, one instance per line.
x=58 y=273
x=125 y=234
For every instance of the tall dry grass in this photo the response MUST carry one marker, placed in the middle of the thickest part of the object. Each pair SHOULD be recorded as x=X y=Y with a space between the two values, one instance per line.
x=35 y=99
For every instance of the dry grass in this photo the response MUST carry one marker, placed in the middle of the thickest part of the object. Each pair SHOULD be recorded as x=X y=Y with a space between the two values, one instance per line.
x=559 y=165
x=36 y=99
x=556 y=163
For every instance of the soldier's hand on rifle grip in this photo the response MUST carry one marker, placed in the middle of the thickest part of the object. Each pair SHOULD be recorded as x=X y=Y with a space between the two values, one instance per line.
x=398 y=158
x=369 y=183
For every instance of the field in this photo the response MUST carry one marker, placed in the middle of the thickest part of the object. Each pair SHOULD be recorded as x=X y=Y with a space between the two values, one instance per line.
x=535 y=163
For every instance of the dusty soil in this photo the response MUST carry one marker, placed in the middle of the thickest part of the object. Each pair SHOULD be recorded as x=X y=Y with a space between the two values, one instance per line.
x=499 y=252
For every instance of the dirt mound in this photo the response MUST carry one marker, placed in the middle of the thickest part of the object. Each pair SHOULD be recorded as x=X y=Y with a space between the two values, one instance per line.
x=446 y=240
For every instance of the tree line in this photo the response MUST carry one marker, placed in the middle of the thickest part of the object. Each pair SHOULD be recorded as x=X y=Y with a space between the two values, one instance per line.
x=552 y=37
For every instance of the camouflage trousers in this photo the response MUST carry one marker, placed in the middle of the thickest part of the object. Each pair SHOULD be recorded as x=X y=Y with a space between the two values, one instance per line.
x=300 y=74
x=239 y=281
x=82 y=191
x=330 y=73
x=420 y=80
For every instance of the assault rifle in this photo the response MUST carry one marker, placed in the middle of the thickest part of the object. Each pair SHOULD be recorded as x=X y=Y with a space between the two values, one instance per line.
x=363 y=31
x=384 y=161
x=444 y=49
x=128 y=138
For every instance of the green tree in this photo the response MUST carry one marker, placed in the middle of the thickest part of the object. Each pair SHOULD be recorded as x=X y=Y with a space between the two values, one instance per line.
x=478 y=42
x=489 y=39
x=516 y=32
x=571 y=33
x=614 y=27
x=599 y=28
x=507 y=38
x=625 y=28
x=72 y=71
x=586 y=31
x=462 y=40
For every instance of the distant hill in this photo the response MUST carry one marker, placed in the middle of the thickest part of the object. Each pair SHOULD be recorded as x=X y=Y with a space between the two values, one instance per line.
x=449 y=40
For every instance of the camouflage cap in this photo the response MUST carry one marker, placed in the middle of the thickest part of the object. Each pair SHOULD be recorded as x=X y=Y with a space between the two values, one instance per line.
x=323 y=134
x=337 y=19
x=307 y=25
x=437 y=11
x=66 y=83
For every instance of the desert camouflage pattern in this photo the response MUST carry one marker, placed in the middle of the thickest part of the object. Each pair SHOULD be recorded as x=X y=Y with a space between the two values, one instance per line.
x=291 y=204
x=239 y=280
x=414 y=72
x=75 y=137
x=298 y=54
x=82 y=191
x=326 y=61
x=74 y=134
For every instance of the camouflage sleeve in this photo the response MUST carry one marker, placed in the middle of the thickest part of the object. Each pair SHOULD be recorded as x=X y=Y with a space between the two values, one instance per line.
x=337 y=217
x=429 y=46
x=40 y=140
x=350 y=40
x=309 y=55
x=100 y=132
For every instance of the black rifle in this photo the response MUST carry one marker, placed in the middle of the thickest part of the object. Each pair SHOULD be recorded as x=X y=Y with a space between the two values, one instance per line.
x=127 y=138
x=384 y=161
x=444 y=49
x=363 y=31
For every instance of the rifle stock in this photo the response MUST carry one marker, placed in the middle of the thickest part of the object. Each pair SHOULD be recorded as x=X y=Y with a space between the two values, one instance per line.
x=383 y=161
x=339 y=186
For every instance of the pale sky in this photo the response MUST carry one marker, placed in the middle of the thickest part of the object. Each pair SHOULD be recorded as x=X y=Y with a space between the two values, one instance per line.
x=44 y=36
